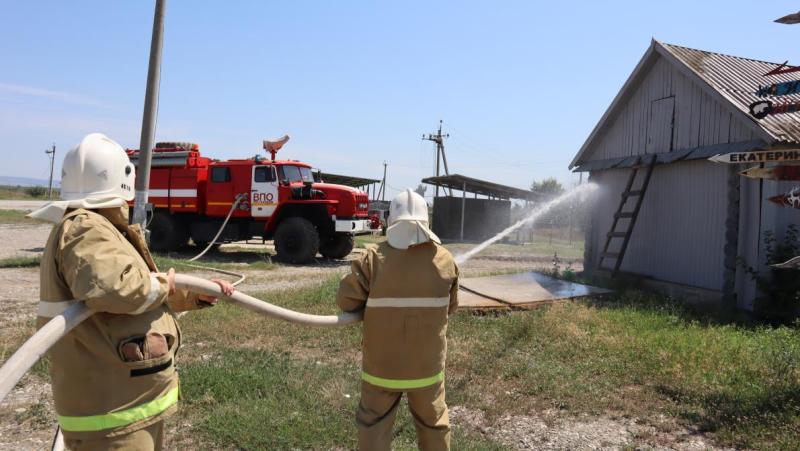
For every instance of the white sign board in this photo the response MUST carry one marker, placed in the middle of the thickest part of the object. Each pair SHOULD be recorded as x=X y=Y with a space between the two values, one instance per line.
x=758 y=156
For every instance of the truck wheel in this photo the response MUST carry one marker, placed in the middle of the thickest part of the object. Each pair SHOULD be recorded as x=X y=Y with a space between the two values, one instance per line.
x=166 y=233
x=336 y=246
x=296 y=240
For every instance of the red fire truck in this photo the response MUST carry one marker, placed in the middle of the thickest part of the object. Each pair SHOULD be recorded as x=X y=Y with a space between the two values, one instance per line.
x=277 y=200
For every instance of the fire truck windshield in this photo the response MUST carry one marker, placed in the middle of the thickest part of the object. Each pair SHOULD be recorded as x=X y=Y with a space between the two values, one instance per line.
x=295 y=174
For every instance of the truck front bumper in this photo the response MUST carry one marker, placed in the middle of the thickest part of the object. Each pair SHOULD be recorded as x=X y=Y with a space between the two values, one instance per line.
x=352 y=226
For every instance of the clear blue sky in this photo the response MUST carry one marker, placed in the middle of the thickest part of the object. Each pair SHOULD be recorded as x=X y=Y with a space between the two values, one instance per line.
x=519 y=84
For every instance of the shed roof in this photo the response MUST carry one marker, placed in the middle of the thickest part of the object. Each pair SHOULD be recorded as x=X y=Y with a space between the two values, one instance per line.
x=737 y=79
x=731 y=79
x=347 y=180
x=486 y=188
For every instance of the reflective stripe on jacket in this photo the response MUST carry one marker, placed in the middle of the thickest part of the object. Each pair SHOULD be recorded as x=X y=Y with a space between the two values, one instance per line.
x=97 y=257
x=406 y=296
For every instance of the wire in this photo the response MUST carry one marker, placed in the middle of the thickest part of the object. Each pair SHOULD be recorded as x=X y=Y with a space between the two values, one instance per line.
x=478 y=149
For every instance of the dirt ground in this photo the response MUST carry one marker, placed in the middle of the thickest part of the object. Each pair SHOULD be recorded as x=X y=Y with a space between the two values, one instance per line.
x=22 y=240
x=552 y=431
x=27 y=419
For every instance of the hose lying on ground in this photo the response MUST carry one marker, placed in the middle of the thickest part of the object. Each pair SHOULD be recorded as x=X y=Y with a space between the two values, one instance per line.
x=36 y=346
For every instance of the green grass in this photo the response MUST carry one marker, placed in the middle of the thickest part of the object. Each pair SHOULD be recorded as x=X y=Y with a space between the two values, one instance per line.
x=638 y=356
x=20 y=262
x=214 y=259
x=258 y=399
x=363 y=241
x=17 y=217
x=25 y=193
x=252 y=382
x=542 y=246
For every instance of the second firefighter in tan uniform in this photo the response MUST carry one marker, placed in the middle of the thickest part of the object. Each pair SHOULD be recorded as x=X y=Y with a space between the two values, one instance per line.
x=406 y=287
x=113 y=376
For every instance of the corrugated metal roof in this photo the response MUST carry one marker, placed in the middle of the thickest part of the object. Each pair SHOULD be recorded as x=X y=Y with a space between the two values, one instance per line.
x=471 y=185
x=737 y=79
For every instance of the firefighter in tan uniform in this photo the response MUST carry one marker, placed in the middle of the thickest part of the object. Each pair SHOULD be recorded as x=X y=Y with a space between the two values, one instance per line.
x=113 y=376
x=407 y=287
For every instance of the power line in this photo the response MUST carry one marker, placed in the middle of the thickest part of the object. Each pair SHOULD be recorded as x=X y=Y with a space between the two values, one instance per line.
x=478 y=149
x=52 y=153
x=438 y=138
x=383 y=183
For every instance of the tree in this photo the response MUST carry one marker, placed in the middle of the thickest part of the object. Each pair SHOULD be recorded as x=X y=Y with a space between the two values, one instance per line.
x=548 y=187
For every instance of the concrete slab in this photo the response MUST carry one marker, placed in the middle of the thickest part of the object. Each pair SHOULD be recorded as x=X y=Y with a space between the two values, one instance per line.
x=470 y=300
x=526 y=289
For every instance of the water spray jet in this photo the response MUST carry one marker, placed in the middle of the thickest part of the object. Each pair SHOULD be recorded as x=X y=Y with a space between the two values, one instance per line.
x=580 y=190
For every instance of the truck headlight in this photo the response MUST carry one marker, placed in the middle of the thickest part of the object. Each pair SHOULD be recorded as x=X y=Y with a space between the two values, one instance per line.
x=363 y=206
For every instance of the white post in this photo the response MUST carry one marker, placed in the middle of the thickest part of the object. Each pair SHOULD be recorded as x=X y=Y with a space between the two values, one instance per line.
x=463 y=207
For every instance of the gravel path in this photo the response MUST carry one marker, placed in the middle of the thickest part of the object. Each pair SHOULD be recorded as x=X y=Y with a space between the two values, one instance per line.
x=27 y=205
x=23 y=240
x=554 y=431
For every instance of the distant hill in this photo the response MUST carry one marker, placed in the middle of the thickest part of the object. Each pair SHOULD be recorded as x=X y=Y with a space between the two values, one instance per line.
x=24 y=181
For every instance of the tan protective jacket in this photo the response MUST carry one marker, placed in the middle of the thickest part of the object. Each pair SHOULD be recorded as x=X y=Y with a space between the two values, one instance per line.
x=406 y=296
x=95 y=256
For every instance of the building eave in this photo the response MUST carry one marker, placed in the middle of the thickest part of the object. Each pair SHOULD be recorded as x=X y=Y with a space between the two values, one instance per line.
x=634 y=79
x=696 y=153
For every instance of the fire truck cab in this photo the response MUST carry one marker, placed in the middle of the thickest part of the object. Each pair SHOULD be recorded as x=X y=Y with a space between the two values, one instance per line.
x=278 y=200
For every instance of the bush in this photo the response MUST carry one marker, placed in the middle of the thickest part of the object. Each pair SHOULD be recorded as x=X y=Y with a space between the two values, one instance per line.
x=36 y=191
x=780 y=288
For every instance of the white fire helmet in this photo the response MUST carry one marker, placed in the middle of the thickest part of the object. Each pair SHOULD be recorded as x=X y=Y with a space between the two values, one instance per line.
x=96 y=174
x=408 y=221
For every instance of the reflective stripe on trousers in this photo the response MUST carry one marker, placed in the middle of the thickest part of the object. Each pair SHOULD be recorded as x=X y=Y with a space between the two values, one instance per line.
x=121 y=418
x=402 y=384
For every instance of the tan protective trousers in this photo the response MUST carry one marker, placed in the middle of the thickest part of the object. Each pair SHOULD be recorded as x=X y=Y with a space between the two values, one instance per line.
x=378 y=408
x=150 y=438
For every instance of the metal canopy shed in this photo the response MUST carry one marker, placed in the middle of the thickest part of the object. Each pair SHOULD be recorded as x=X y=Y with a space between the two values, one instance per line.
x=347 y=180
x=473 y=219
x=482 y=187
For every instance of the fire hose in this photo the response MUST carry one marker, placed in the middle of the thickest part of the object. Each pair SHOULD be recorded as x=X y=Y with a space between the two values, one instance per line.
x=239 y=198
x=36 y=346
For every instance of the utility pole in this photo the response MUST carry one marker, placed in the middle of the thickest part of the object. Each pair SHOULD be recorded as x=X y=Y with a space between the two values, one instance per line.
x=149 y=116
x=438 y=138
x=52 y=153
x=382 y=191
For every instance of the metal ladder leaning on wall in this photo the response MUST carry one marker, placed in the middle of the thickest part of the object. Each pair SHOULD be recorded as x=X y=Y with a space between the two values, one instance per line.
x=625 y=235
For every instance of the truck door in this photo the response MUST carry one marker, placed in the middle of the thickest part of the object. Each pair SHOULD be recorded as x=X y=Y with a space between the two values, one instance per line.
x=220 y=191
x=264 y=192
